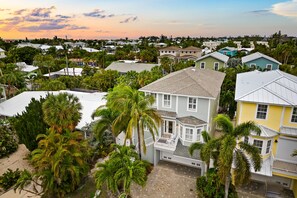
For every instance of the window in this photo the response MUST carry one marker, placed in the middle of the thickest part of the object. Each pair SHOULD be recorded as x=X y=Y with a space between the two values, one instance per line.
x=246 y=139
x=202 y=65
x=294 y=115
x=166 y=101
x=198 y=137
x=269 y=67
x=192 y=104
x=261 y=111
x=258 y=144
x=268 y=146
x=189 y=134
x=216 y=66
x=253 y=65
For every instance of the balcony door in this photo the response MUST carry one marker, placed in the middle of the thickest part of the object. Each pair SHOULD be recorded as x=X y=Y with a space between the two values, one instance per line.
x=168 y=126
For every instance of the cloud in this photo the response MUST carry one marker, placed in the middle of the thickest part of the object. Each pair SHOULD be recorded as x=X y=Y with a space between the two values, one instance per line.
x=42 y=12
x=19 y=12
x=102 y=31
x=287 y=9
x=97 y=13
x=3 y=9
x=260 y=12
x=130 y=19
x=75 y=27
x=45 y=26
x=63 y=16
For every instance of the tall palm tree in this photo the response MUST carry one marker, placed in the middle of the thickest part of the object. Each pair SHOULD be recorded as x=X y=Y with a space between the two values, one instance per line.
x=44 y=61
x=135 y=109
x=242 y=155
x=208 y=150
x=62 y=111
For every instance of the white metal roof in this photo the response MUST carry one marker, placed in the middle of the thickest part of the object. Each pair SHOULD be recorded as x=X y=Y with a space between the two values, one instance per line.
x=26 y=68
x=125 y=67
x=88 y=49
x=89 y=102
x=2 y=50
x=63 y=72
x=288 y=131
x=257 y=55
x=215 y=55
x=266 y=132
x=270 y=87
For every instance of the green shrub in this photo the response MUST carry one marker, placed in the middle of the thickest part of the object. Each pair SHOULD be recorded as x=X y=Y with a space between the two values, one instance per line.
x=8 y=140
x=209 y=186
x=9 y=178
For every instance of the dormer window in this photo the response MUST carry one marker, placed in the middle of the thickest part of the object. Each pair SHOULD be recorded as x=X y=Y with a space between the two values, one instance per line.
x=269 y=67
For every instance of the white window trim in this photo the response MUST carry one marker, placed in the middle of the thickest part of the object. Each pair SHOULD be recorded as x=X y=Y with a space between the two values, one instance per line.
x=204 y=65
x=188 y=102
x=266 y=112
x=193 y=130
x=173 y=126
x=269 y=146
x=200 y=138
x=262 y=145
x=163 y=105
x=253 y=64
x=292 y=109
x=214 y=66
x=267 y=66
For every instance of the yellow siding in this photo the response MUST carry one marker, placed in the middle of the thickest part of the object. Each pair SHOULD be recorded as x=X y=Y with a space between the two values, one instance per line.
x=295 y=187
x=273 y=119
x=287 y=118
x=238 y=112
x=274 y=146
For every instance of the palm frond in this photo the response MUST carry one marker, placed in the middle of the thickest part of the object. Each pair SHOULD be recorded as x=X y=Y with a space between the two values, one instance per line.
x=254 y=153
x=245 y=129
x=223 y=121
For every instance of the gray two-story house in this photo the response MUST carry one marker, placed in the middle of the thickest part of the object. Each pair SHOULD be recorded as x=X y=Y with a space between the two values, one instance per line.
x=187 y=101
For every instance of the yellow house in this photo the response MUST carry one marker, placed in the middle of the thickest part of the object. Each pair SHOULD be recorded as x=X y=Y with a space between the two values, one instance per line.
x=270 y=99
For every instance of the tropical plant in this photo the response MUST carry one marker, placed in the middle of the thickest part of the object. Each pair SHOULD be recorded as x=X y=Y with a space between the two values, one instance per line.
x=44 y=62
x=60 y=161
x=52 y=85
x=294 y=153
x=135 y=110
x=8 y=140
x=62 y=111
x=121 y=170
x=9 y=178
x=209 y=149
x=30 y=123
x=241 y=154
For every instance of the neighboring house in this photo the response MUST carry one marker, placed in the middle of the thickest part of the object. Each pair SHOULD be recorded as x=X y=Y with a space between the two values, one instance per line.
x=81 y=62
x=187 y=101
x=258 y=60
x=63 y=72
x=229 y=51
x=177 y=54
x=89 y=101
x=91 y=50
x=214 y=61
x=270 y=99
x=2 y=53
x=124 y=67
x=26 y=68
x=211 y=44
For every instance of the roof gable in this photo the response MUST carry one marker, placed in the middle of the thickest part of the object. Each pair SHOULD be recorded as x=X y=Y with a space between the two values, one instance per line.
x=256 y=56
x=215 y=55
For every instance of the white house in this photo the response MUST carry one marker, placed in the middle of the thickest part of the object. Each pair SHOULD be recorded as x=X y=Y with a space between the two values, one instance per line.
x=2 y=53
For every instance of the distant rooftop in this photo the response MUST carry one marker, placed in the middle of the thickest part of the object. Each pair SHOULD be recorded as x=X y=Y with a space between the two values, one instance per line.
x=215 y=55
x=257 y=55
x=125 y=67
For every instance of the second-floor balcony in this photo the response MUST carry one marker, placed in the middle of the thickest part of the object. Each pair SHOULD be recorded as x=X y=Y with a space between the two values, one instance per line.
x=167 y=142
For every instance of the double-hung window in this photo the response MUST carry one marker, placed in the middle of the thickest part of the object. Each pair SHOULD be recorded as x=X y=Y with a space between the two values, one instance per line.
x=192 y=104
x=166 y=100
x=216 y=66
x=189 y=134
x=258 y=144
x=269 y=67
x=198 y=137
x=202 y=65
x=294 y=115
x=262 y=111
x=268 y=146
x=246 y=139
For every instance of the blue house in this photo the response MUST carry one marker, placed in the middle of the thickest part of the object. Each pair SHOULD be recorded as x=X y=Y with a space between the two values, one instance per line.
x=229 y=51
x=260 y=61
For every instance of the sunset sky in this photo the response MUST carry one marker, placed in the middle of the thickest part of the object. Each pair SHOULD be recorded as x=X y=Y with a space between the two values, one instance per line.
x=95 y=19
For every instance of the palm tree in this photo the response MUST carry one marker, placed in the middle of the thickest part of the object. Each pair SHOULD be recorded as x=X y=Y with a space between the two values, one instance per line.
x=294 y=153
x=135 y=109
x=105 y=122
x=44 y=61
x=242 y=155
x=62 y=111
x=122 y=168
x=208 y=150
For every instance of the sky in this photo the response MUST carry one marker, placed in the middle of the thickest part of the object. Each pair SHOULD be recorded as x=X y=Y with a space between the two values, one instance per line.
x=108 y=19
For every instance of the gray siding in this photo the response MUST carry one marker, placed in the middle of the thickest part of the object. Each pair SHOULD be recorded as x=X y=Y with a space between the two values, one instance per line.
x=213 y=112
x=202 y=110
x=149 y=156
x=285 y=148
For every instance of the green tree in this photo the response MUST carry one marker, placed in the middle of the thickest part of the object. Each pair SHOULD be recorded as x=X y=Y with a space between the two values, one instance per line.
x=8 y=140
x=209 y=149
x=30 y=123
x=62 y=111
x=121 y=170
x=24 y=54
x=237 y=153
x=60 y=161
x=52 y=85
x=135 y=109
x=44 y=62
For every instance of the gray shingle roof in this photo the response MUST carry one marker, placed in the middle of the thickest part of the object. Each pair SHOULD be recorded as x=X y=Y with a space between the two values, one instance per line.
x=167 y=113
x=191 y=120
x=215 y=55
x=190 y=82
x=125 y=67
x=257 y=55
x=183 y=151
